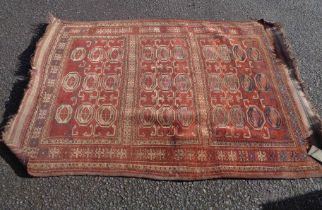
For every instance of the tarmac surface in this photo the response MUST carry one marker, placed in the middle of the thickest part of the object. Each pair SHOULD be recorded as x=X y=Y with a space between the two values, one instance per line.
x=302 y=22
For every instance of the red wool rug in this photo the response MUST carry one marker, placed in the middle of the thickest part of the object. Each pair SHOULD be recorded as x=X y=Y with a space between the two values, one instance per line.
x=164 y=99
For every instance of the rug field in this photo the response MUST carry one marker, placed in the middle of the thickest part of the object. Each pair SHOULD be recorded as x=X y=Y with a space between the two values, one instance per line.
x=165 y=99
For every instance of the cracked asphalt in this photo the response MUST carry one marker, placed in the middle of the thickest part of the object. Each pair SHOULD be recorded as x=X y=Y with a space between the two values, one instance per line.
x=302 y=22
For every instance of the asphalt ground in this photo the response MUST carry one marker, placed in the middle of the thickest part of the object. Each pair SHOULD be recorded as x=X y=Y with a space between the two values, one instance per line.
x=21 y=24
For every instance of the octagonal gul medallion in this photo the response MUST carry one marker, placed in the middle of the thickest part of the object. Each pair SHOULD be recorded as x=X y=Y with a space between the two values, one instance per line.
x=71 y=81
x=210 y=53
x=148 y=81
x=84 y=114
x=105 y=115
x=166 y=116
x=90 y=82
x=165 y=82
x=224 y=53
x=220 y=116
x=262 y=82
x=247 y=83
x=148 y=53
x=237 y=116
x=78 y=54
x=179 y=53
x=239 y=53
x=63 y=113
x=255 y=117
x=273 y=117
x=115 y=54
x=253 y=54
x=110 y=82
x=185 y=116
x=215 y=82
x=97 y=54
x=147 y=116
x=163 y=53
x=182 y=82
x=231 y=82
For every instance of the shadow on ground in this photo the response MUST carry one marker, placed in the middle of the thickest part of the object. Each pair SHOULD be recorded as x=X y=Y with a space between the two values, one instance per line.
x=16 y=95
x=310 y=201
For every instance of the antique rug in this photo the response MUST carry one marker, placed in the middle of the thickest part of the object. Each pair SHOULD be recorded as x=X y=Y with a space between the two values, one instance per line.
x=165 y=99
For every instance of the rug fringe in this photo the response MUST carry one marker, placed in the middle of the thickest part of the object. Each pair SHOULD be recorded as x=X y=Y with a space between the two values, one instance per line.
x=51 y=18
x=15 y=144
x=7 y=129
x=287 y=55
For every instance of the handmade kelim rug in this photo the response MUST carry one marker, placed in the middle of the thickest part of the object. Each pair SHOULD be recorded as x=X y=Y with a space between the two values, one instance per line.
x=165 y=99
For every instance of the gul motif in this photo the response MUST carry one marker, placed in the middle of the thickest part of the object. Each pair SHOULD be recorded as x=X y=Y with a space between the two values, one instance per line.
x=262 y=82
x=166 y=116
x=255 y=117
x=210 y=53
x=237 y=116
x=273 y=117
x=78 y=54
x=220 y=116
x=239 y=53
x=253 y=54
x=185 y=116
x=231 y=82
x=84 y=114
x=247 y=83
x=147 y=116
x=165 y=82
x=163 y=53
x=224 y=53
x=105 y=115
x=148 y=81
x=63 y=113
x=115 y=54
x=215 y=82
x=148 y=53
x=97 y=54
x=90 y=82
x=182 y=82
x=110 y=82
x=179 y=53
x=71 y=81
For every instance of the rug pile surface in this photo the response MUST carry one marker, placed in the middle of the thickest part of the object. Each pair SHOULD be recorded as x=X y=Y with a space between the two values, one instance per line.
x=164 y=99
